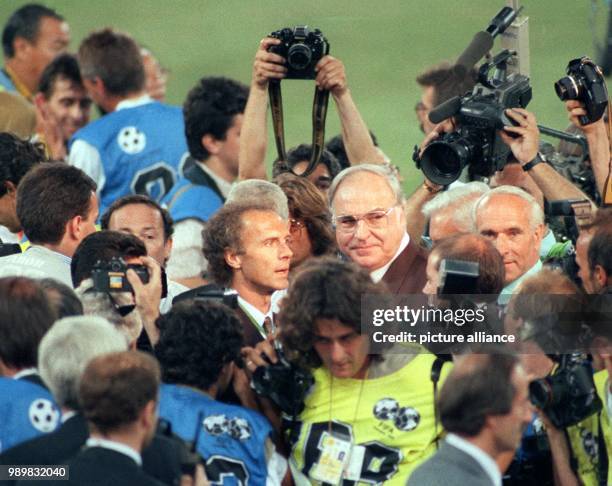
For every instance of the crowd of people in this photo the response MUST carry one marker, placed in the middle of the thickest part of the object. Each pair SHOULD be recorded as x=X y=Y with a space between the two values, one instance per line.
x=168 y=315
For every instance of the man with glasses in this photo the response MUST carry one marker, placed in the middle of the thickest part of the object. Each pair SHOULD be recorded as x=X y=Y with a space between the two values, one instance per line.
x=368 y=213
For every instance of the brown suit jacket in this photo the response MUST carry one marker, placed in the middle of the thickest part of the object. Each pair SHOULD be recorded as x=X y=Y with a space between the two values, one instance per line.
x=406 y=275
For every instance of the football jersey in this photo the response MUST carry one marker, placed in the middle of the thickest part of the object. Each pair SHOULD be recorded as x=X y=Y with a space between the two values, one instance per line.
x=390 y=422
x=141 y=150
x=601 y=379
x=27 y=410
x=232 y=440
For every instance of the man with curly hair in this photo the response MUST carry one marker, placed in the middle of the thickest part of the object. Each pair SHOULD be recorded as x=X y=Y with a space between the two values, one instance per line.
x=198 y=345
x=380 y=407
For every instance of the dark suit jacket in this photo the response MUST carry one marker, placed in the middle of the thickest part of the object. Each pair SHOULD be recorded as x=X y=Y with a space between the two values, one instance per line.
x=161 y=459
x=450 y=466
x=97 y=466
x=406 y=275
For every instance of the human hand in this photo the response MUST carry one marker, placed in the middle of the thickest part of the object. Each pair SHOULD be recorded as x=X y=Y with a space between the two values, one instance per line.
x=525 y=144
x=575 y=109
x=147 y=296
x=267 y=65
x=331 y=75
x=49 y=127
x=261 y=355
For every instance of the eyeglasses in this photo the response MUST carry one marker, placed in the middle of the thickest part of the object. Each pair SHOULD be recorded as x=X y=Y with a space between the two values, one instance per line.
x=376 y=219
x=122 y=310
x=295 y=226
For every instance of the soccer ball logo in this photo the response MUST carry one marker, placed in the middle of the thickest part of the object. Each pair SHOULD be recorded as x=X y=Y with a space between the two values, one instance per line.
x=386 y=409
x=131 y=140
x=44 y=416
x=407 y=419
x=216 y=424
x=239 y=429
x=589 y=443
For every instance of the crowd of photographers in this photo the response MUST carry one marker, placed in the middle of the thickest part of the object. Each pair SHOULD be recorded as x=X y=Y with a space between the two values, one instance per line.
x=170 y=316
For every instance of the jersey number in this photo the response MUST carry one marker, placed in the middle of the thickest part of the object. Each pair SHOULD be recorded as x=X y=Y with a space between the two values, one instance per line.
x=154 y=181
x=219 y=468
x=380 y=462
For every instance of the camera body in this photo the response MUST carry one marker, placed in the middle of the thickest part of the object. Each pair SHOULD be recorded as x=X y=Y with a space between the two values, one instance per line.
x=109 y=276
x=584 y=82
x=302 y=48
x=479 y=116
x=569 y=395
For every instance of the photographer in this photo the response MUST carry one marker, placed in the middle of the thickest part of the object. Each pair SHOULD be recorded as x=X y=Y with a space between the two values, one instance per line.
x=545 y=307
x=330 y=76
x=131 y=310
x=321 y=332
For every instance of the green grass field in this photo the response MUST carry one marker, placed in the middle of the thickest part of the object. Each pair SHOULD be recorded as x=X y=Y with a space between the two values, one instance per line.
x=383 y=44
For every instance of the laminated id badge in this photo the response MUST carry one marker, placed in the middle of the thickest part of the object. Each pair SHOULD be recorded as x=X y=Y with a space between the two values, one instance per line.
x=334 y=458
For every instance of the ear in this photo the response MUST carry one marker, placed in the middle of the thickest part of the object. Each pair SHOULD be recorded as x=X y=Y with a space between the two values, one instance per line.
x=211 y=144
x=40 y=101
x=148 y=416
x=95 y=87
x=167 y=249
x=233 y=258
x=11 y=189
x=21 y=48
x=600 y=276
x=539 y=232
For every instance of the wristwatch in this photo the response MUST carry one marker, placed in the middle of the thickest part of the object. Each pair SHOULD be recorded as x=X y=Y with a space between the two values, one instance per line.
x=532 y=163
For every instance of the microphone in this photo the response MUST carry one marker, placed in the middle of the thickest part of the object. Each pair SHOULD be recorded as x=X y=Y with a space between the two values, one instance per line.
x=475 y=51
x=445 y=110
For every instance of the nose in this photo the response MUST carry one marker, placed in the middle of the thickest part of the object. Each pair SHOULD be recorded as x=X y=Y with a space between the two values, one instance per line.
x=501 y=243
x=337 y=352
x=285 y=252
x=361 y=230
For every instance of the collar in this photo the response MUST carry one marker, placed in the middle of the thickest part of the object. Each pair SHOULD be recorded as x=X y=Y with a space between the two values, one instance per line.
x=115 y=446
x=379 y=273
x=255 y=315
x=508 y=290
x=25 y=372
x=68 y=415
x=547 y=243
x=480 y=456
x=134 y=102
x=19 y=86
x=222 y=184
x=44 y=249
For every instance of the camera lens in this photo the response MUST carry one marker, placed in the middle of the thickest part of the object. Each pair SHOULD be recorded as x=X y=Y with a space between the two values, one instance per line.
x=442 y=161
x=115 y=266
x=540 y=393
x=567 y=88
x=299 y=56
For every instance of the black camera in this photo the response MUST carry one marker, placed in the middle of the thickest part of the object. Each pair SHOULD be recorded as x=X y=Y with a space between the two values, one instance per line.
x=284 y=383
x=479 y=116
x=109 y=276
x=584 y=82
x=569 y=395
x=7 y=249
x=302 y=48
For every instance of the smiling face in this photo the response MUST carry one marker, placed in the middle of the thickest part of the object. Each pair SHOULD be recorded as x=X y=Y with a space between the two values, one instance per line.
x=505 y=219
x=342 y=349
x=68 y=106
x=263 y=264
x=361 y=193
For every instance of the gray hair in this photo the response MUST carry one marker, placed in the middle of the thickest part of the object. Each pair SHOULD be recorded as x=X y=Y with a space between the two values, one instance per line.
x=458 y=201
x=536 y=217
x=68 y=347
x=99 y=304
x=260 y=192
x=384 y=171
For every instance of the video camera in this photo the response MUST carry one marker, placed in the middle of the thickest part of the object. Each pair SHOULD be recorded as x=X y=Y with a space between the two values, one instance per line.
x=479 y=116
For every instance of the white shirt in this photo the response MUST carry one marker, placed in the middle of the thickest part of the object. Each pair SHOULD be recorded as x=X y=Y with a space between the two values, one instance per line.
x=259 y=317
x=224 y=186
x=115 y=446
x=25 y=372
x=480 y=456
x=174 y=289
x=87 y=158
x=378 y=274
x=37 y=262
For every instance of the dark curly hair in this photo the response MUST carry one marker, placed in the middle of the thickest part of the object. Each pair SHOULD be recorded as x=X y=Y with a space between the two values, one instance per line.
x=210 y=108
x=16 y=158
x=302 y=153
x=308 y=205
x=223 y=231
x=323 y=288
x=197 y=339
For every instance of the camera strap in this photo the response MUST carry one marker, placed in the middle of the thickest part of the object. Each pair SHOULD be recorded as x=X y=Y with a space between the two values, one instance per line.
x=319 y=113
x=436 y=371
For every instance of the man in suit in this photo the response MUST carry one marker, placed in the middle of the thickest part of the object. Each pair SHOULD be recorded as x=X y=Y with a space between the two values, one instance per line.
x=484 y=406
x=368 y=211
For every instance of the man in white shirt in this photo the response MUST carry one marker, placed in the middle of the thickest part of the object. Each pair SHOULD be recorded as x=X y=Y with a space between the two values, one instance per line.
x=246 y=246
x=484 y=405
x=57 y=207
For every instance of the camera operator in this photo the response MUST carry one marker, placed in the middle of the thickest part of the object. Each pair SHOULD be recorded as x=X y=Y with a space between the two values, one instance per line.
x=578 y=450
x=330 y=76
x=593 y=282
x=133 y=310
x=598 y=140
x=382 y=406
x=198 y=346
